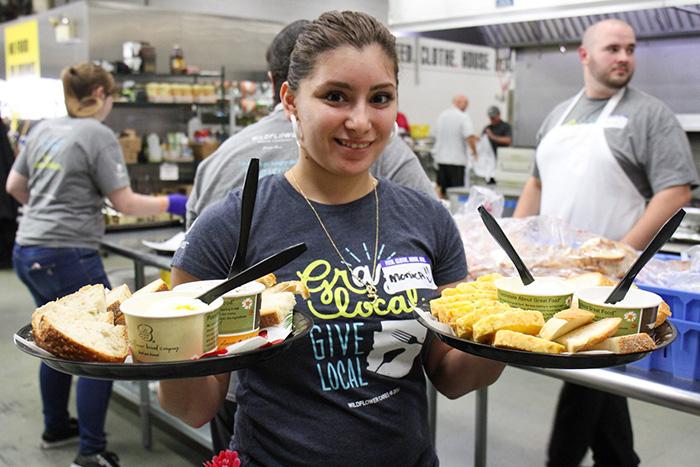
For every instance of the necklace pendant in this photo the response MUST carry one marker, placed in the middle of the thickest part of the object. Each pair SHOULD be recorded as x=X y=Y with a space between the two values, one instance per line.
x=371 y=292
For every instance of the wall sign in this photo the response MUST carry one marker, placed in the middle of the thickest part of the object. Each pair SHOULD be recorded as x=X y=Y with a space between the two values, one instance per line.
x=448 y=56
x=22 y=50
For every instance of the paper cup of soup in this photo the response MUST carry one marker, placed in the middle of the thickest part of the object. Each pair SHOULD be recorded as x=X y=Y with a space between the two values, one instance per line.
x=637 y=310
x=546 y=294
x=239 y=316
x=170 y=326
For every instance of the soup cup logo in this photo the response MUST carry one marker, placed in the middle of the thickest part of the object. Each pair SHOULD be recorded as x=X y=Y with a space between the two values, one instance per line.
x=247 y=305
x=568 y=301
x=145 y=332
x=631 y=316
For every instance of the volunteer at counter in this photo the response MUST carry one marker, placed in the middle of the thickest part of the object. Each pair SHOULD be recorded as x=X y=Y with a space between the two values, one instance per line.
x=500 y=133
x=67 y=167
x=340 y=397
x=600 y=156
x=454 y=140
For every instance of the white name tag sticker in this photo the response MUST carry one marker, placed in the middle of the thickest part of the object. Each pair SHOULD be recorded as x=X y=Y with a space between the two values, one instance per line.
x=615 y=121
x=406 y=273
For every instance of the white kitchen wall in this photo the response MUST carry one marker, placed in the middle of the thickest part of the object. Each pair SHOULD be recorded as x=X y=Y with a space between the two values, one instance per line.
x=444 y=70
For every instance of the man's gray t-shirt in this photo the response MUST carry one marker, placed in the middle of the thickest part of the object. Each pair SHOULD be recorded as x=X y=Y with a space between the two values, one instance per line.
x=71 y=164
x=271 y=140
x=351 y=393
x=652 y=147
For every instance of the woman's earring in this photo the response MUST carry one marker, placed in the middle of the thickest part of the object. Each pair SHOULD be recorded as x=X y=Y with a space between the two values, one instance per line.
x=394 y=130
x=296 y=130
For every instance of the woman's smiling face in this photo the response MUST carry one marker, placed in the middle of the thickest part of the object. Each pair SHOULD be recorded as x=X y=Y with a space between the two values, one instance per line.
x=346 y=108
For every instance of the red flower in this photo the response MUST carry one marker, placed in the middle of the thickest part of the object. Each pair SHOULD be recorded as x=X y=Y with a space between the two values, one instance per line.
x=224 y=459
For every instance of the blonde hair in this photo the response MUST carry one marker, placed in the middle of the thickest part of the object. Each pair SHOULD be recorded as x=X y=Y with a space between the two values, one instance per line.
x=79 y=82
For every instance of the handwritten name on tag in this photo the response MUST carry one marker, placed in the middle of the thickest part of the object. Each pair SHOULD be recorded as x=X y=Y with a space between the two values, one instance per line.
x=406 y=273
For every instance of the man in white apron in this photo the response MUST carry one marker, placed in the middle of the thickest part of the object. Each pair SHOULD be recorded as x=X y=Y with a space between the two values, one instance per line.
x=601 y=156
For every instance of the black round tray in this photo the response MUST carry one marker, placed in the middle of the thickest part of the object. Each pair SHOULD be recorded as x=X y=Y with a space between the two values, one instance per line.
x=301 y=325
x=663 y=336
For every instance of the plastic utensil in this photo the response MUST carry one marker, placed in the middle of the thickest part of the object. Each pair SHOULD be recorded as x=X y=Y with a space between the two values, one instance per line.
x=257 y=270
x=250 y=190
x=656 y=243
x=500 y=237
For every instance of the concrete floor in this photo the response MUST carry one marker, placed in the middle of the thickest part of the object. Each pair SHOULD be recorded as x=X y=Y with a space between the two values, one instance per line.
x=521 y=408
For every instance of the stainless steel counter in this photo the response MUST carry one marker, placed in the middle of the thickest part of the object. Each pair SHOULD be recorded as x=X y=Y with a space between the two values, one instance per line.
x=127 y=243
x=655 y=387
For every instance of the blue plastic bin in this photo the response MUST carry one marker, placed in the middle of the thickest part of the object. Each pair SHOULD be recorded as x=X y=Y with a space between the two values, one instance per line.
x=682 y=357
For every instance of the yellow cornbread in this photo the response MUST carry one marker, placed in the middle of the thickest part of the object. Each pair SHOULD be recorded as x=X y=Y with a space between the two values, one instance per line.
x=525 y=321
x=463 y=326
x=516 y=340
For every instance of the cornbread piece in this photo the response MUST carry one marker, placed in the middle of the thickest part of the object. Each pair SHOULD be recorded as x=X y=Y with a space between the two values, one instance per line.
x=519 y=341
x=587 y=336
x=464 y=325
x=115 y=297
x=564 y=322
x=525 y=321
x=630 y=343
x=276 y=307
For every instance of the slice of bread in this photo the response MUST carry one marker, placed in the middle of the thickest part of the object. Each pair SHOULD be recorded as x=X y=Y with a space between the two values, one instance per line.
x=630 y=343
x=157 y=285
x=564 y=322
x=296 y=287
x=115 y=297
x=276 y=307
x=516 y=340
x=587 y=336
x=525 y=321
x=663 y=313
x=589 y=279
x=90 y=298
x=268 y=280
x=82 y=339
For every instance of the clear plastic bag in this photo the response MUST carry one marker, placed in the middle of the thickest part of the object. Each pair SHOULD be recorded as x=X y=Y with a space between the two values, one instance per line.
x=482 y=196
x=485 y=165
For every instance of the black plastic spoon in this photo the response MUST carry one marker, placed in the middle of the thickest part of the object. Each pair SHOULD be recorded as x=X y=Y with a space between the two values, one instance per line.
x=250 y=190
x=500 y=237
x=656 y=243
x=259 y=269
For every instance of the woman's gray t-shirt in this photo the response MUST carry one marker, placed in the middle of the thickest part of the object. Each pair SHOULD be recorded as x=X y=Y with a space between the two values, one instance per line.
x=352 y=392
x=71 y=165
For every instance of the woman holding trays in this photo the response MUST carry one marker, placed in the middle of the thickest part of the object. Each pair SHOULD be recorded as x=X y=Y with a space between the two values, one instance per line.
x=352 y=393
x=69 y=165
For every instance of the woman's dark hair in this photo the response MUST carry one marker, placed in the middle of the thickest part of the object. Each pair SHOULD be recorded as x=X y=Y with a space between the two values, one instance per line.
x=79 y=82
x=335 y=29
x=279 y=51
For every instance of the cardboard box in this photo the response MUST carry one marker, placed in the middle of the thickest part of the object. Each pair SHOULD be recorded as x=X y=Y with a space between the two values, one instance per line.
x=131 y=146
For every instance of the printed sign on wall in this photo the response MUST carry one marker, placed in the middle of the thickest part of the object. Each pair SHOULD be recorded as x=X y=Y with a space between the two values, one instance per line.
x=445 y=56
x=22 y=50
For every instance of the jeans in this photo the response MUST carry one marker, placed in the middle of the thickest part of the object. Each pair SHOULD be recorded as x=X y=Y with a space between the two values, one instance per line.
x=50 y=273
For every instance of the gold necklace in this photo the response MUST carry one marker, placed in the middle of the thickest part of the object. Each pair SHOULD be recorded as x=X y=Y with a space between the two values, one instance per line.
x=370 y=288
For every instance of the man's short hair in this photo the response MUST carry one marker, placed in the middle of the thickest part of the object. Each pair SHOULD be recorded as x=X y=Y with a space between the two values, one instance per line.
x=493 y=111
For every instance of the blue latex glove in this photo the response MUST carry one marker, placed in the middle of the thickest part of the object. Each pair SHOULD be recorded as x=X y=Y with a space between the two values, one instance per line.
x=177 y=204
